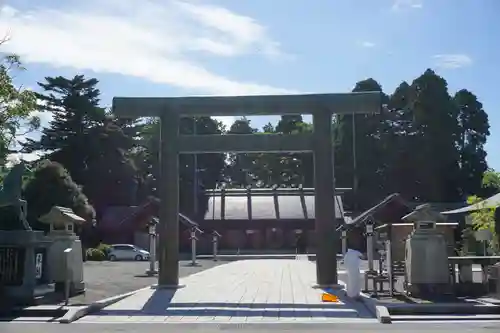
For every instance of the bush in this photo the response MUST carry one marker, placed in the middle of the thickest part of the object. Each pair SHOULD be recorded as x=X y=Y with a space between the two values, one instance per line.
x=105 y=248
x=95 y=255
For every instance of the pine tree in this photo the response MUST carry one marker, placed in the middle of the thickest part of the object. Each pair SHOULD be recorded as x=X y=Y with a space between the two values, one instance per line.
x=74 y=104
x=92 y=145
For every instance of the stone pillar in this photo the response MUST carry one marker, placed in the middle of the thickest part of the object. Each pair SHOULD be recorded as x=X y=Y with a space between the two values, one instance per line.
x=168 y=228
x=327 y=239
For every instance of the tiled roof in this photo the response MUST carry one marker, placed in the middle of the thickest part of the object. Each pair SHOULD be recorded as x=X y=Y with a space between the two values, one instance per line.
x=136 y=217
x=264 y=207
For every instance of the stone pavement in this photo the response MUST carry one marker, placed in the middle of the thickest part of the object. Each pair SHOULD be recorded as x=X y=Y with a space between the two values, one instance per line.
x=416 y=327
x=105 y=279
x=247 y=291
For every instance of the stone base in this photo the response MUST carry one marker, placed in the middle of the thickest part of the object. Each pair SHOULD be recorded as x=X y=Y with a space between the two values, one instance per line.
x=424 y=290
x=328 y=286
x=471 y=289
x=75 y=288
x=167 y=286
x=193 y=264
x=151 y=272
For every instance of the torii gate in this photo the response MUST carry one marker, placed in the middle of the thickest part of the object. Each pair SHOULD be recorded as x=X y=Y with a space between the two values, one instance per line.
x=320 y=143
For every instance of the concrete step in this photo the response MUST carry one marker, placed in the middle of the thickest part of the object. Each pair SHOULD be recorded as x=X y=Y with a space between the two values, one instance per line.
x=458 y=317
x=444 y=309
x=39 y=311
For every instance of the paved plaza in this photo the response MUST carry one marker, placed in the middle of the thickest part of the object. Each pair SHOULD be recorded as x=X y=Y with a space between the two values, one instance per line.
x=248 y=291
x=105 y=279
x=222 y=295
x=428 y=327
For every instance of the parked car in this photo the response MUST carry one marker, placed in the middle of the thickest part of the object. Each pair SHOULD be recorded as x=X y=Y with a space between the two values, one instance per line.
x=127 y=252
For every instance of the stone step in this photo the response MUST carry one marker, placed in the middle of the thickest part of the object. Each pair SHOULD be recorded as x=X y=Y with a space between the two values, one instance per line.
x=478 y=317
x=38 y=311
x=444 y=309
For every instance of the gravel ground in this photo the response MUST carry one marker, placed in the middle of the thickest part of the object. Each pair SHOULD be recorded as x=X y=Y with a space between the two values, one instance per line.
x=110 y=278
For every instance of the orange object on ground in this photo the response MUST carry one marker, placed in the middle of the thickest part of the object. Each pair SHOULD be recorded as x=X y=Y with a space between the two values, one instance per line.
x=326 y=297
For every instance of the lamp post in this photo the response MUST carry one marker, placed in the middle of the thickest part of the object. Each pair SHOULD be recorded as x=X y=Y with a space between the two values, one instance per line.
x=369 y=241
x=344 y=241
x=215 y=243
x=194 y=239
x=152 y=247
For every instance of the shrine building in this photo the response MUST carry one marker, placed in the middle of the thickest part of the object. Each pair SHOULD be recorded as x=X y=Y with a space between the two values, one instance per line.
x=262 y=218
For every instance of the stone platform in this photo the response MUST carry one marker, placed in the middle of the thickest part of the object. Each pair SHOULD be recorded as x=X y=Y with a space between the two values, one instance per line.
x=249 y=291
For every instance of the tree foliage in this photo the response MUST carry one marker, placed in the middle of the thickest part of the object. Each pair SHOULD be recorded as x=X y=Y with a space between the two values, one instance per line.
x=210 y=166
x=50 y=186
x=88 y=141
x=74 y=104
x=427 y=145
x=16 y=105
x=486 y=218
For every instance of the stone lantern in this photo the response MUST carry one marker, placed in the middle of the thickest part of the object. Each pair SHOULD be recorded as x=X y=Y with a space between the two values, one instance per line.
x=426 y=254
x=62 y=222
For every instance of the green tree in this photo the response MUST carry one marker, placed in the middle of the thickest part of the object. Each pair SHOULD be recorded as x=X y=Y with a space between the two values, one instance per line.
x=88 y=142
x=401 y=141
x=16 y=105
x=210 y=166
x=484 y=219
x=491 y=186
x=474 y=130
x=74 y=104
x=111 y=177
x=295 y=168
x=437 y=130
x=490 y=182
x=367 y=148
x=240 y=171
x=50 y=186
x=269 y=169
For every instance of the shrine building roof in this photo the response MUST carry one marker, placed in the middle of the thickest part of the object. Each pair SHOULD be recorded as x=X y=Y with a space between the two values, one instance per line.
x=265 y=204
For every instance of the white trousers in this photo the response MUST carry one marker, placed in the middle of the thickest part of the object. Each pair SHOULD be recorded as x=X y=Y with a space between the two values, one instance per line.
x=353 y=288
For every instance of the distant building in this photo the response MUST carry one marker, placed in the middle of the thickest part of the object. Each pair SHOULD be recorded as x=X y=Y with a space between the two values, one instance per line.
x=256 y=219
x=262 y=218
x=129 y=225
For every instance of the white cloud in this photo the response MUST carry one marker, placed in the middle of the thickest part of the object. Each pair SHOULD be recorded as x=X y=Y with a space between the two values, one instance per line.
x=243 y=32
x=367 y=44
x=406 y=4
x=153 y=40
x=452 y=61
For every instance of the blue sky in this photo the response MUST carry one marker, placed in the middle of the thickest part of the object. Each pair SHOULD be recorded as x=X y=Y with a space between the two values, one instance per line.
x=229 y=47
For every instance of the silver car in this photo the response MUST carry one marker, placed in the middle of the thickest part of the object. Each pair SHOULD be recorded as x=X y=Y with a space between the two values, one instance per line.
x=127 y=252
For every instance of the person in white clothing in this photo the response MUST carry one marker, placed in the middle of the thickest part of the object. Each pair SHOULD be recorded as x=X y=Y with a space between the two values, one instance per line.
x=352 y=261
